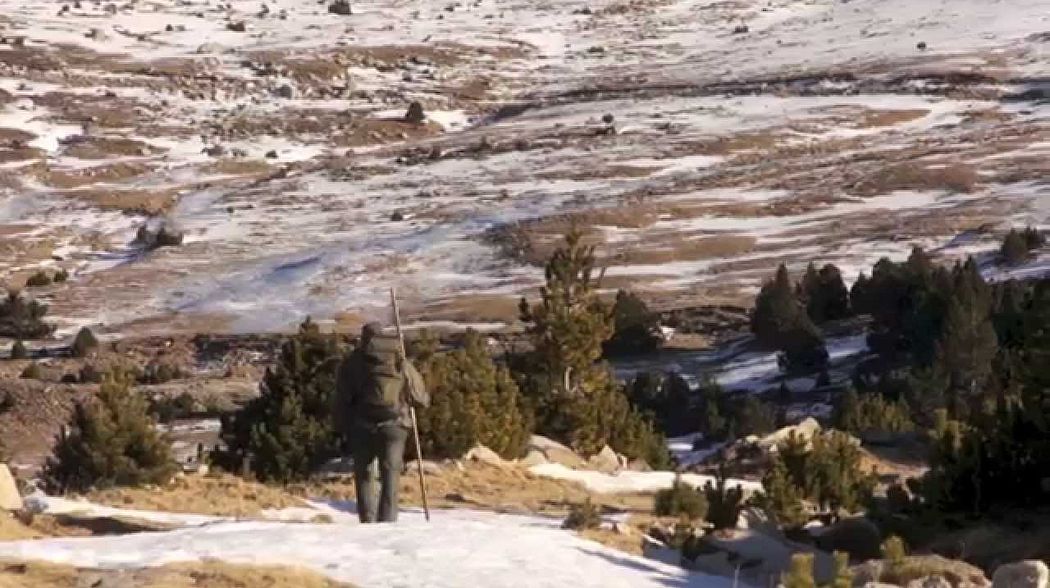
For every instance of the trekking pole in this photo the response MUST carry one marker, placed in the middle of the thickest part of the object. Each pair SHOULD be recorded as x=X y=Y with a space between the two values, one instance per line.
x=412 y=412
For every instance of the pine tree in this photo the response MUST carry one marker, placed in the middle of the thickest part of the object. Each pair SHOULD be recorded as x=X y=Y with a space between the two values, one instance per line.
x=636 y=329
x=800 y=574
x=84 y=343
x=713 y=425
x=724 y=503
x=750 y=416
x=777 y=311
x=824 y=294
x=1014 y=249
x=575 y=397
x=871 y=413
x=286 y=432
x=666 y=400
x=473 y=401
x=110 y=442
x=23 y=318
x=18 y=350
x=781 y=498
x=895 y=554
x=968 y=343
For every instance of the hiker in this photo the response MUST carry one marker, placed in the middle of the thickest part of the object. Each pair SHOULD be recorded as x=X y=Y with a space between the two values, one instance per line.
x=375 y=387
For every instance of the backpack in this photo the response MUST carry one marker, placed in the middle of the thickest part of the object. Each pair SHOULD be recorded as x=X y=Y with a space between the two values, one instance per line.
x=381 y=398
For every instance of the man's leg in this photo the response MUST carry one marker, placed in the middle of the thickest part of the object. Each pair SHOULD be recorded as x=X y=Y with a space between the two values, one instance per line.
x=363 y=449
x=391 y=460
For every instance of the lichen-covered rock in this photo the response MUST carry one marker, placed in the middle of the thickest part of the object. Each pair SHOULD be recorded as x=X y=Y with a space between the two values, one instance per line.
x=1023 y=574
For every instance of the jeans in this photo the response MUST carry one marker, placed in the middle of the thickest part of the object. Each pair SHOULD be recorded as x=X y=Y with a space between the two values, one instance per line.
x=385 y=443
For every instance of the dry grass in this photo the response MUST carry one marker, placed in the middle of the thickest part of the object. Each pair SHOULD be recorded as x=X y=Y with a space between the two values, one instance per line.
x=506 y=489
x=470 y=308
x=12 y=529
x=213 y=574
x=147 y=202
x=70 y=179
x=218 y=495
x=91 y=147
x=685 y=250
x=912 y=176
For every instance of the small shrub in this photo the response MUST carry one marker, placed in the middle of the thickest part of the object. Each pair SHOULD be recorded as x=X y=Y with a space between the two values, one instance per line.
x=83 y=343
x=843 y=575
x=583 y=516
x=19 y=351
x=169 y=408
x=23 y=318
x=32 y=372
x=160 y=373
x=636 y=328
x=60 y=276
x=1018 y=245
x=724 y=503
x=895 y=553
x=111 y=441
x=38 y=280
x=680 y=500
x=800 y=574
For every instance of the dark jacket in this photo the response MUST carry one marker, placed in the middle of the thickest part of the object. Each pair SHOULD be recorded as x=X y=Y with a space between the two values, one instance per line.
x=352 y=375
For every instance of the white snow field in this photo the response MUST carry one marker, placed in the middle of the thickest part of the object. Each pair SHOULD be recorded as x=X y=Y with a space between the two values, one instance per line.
x=746 y=134
x=457 y=548
x=627 y=482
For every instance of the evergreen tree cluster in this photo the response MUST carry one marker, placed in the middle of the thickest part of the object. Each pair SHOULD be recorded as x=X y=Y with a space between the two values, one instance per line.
x=111 y=441
x=636 y=329
x=1017 y=245
x=576 y=399
x=286 y=432
x=473 y=400
x=824 y=470
x=872 y=413
x=23 y=318
x=780 y=321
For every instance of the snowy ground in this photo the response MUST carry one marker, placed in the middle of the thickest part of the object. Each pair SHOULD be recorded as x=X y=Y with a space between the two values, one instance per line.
x=457 y=548
x=822 y=132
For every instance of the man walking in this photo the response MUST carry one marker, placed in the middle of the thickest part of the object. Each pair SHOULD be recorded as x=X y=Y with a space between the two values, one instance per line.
x=375 y=389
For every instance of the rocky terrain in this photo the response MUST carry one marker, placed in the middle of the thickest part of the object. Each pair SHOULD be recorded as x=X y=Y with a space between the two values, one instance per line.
x=699 y=143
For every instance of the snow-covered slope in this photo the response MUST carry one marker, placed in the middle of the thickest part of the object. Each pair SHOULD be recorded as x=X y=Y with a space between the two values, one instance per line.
x=456 y=549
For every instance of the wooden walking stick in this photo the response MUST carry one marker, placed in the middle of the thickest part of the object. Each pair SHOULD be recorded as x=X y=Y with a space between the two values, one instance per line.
x=412 y=412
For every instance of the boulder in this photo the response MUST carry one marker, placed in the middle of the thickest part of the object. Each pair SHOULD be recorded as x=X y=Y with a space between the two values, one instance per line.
x=806 y=429
x=934 y=581
x=857 y=536
x=430 y=468
x=10 y=499
x=554 y=452
x=638 y=465
x=533 y=458
x=1030 y=573
x=482 y=454
x=157 y=233
x=606 y=461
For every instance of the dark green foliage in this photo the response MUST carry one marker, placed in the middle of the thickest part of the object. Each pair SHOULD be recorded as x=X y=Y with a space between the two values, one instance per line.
x=712 y=424
x=680 y=500
x=89 y=374
x=636 y=329
x=824 y=294
x=779 y=321
x=18 y=350
x=169 y=408
x=1018 y=245
x=871 y=413
x=23 y=318
x=724 y=503
x=472 y=401
x=968 y=343
x=286 y=432
x=666 y=400
x=32 y=372
x=38 y=280
x=782 y=498
x=60 y=276
x=749 y=416
x=800 y=574
x=110 y=442
x=895 y=553
x=575 y=397
x=84 y=343
x=583 y=516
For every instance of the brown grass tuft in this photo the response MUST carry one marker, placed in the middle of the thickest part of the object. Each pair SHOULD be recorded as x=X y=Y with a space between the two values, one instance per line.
x=218 y=495
x=911 y=176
